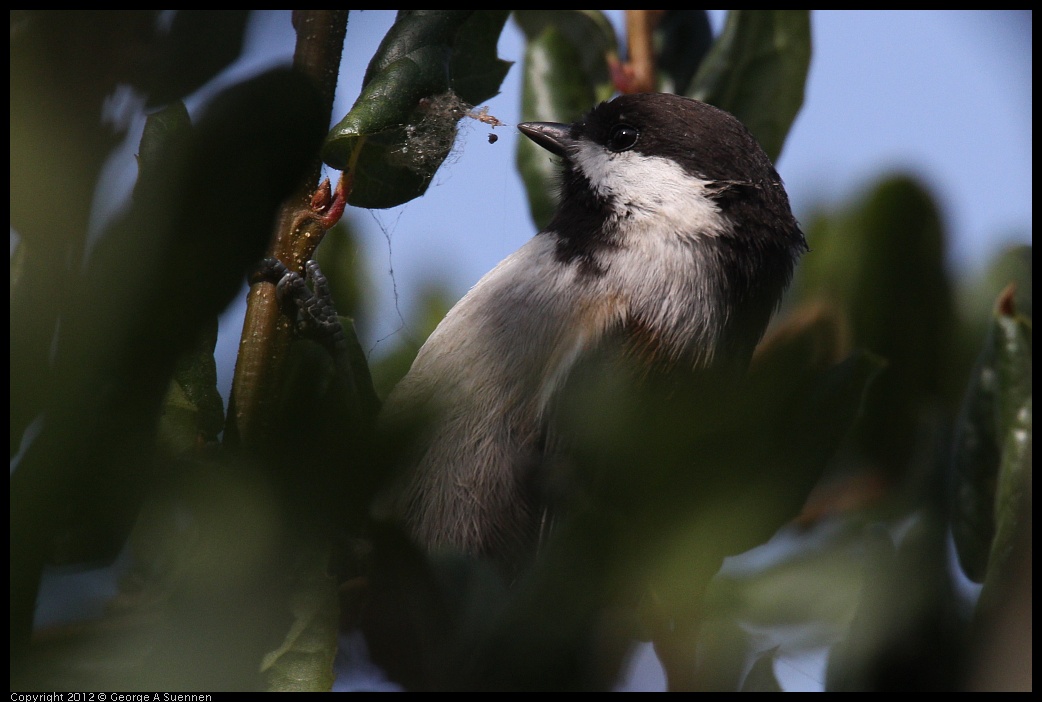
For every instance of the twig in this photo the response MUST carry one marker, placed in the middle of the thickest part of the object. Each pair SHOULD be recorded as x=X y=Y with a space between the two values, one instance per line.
x=638 y=74
x=302 y=222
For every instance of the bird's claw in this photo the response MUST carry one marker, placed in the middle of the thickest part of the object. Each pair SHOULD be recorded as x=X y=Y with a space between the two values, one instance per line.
x=311 y=306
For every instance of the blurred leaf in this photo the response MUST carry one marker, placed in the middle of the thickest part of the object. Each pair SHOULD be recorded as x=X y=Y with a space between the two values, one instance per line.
x=1013 y=362
x=554 y=90
x=326 y=414
x=197 y=46
x=685 y=38
x=192 y=412
x=367 y=398
x=718 y=662
x=163 y=270
x=1013 y=504
x=906 y=634
x=64 y=65
x=331 y=402
x=677 y=422
x=35 y=300
x=661 y=487
x=871 y=621
x=977 y=296
x=761 y=676
x=304 y=661
x=881 y=262
x=424 y=615
x=735 y=496
x=809 y=586
x=757 y=71
x=343 y=264
x=244 y=156
x=201 y=601
x=403 y=124
x=591 y=35
x=995 y=409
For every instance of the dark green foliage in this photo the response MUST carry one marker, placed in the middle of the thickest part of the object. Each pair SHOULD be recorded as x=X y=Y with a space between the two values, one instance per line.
x=685 y=38
x=992 y=444
x=883 y=262
x=153 y=285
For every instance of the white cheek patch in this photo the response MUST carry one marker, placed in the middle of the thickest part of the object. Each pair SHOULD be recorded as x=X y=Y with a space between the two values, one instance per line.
x=650 y=190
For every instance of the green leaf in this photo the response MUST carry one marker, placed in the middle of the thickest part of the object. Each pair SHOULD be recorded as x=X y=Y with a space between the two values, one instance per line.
x=761 y=676
x=553 y=91
x=672 y=485
x=565 y=74
x=1013 y=363
x=164 y=144
x=193 y=413
x=557 y=93
x=757 y=71
x=476 y=71
x=390 y=98
x=36 y=275
x=196 y=47
x=978 y=295
x=343 y=264
x=163 y=271
x=882 y=262
x=432 y=66
x=304 y=660
x=1013 y=498
x=723 y=648
x=1012 y=509
x=816 y=587
x=976 y=456
x=995 y=419
x=593 y=38
x=685 y=38
x=675 y=484
x=905 y=632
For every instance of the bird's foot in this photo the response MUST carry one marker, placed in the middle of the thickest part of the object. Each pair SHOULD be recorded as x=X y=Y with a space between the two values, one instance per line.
x=307 y=300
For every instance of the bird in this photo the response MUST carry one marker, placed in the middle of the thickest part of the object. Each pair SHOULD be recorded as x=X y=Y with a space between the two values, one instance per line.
x=673 y=240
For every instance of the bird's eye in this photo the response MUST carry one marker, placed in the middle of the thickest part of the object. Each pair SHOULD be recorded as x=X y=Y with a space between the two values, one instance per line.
x=622 y=137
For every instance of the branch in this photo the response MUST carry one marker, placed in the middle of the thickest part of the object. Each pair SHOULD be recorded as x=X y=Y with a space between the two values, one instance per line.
x=638 y=73
x=301 y=223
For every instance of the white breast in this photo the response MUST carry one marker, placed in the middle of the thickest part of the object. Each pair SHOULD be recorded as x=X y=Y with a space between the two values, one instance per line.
x=489 y=371
x=485 y=376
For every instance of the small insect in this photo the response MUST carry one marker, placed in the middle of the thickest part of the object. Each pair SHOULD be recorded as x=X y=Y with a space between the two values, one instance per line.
x=484 y=117
x=493 y=138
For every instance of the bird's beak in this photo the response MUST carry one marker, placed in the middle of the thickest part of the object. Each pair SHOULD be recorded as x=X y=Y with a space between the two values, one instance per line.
x=555 y=138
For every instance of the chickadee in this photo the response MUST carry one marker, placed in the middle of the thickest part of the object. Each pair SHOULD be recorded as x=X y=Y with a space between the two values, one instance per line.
x=673 y=234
